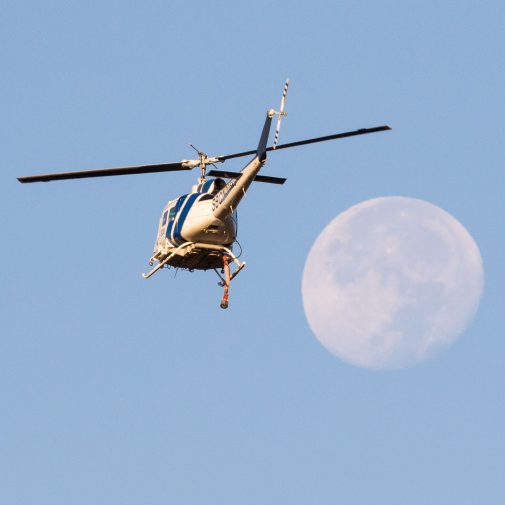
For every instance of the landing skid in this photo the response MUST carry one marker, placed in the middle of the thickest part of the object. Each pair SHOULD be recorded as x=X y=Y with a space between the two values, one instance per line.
x=162 y=263
x=226 y=255
x=222 y=281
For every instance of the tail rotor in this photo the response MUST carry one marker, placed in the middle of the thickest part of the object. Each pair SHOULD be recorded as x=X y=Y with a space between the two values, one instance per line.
x=280 y=114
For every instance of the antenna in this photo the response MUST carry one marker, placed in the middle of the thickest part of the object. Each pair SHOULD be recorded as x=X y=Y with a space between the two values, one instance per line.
x=280 y=114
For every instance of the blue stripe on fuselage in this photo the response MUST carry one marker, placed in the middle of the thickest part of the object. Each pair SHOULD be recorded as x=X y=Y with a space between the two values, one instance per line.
x=171 y=224
x=207 y=186
x=179 y=223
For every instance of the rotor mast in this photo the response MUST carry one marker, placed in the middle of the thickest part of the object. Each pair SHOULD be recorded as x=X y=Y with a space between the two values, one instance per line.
x=202 y=162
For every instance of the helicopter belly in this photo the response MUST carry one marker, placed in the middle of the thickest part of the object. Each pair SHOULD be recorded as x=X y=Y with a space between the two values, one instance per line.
x=209 y=230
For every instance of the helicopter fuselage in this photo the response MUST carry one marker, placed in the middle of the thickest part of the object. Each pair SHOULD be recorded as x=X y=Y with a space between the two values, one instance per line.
x=190 y=218
x=205 y=220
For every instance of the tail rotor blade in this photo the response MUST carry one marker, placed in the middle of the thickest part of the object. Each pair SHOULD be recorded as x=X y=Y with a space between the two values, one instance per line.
x=280 y=114
x=277 y=130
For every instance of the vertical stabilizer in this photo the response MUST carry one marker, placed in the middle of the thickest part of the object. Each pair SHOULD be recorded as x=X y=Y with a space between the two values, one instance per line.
x=261 y=153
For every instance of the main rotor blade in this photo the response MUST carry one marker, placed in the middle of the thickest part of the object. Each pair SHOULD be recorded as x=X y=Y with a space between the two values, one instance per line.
x=185 y=164
x=237 y=175
x=362 y=131
x=106 y=172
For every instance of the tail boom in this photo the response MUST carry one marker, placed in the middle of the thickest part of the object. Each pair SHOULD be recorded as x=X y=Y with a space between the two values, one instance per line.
x=228 y=198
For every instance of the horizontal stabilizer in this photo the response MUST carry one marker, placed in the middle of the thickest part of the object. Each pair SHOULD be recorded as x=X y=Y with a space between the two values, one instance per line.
x=237 y=175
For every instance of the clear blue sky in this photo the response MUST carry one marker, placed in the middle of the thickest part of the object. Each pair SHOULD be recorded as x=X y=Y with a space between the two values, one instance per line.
x=116 y=390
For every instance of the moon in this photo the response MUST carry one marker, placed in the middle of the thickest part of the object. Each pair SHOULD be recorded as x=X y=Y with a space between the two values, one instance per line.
x=390 y=282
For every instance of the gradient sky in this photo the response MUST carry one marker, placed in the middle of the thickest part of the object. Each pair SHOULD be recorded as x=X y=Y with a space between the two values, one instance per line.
x=117 y=390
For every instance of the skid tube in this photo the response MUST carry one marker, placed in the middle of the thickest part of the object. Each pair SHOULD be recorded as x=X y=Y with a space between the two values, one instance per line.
x=198 y=245
x=226 y=256
x=161 y=264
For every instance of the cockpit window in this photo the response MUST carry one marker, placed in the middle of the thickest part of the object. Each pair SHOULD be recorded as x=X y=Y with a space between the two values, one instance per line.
x=164 y=219
x=172 y=213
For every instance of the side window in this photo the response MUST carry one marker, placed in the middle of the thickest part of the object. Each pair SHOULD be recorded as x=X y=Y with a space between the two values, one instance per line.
x=164 y=219
x=172 y=213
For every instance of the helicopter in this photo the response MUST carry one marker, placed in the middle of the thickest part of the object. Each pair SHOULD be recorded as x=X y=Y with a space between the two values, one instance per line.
x=197 y=231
